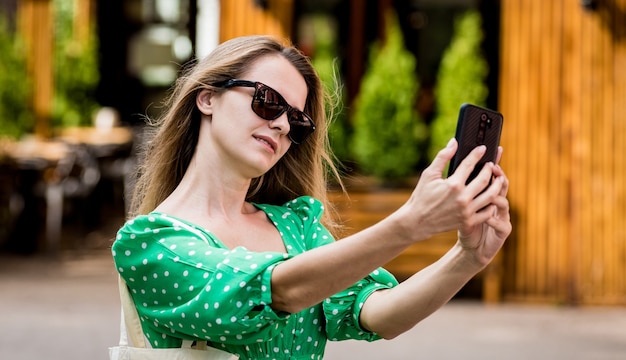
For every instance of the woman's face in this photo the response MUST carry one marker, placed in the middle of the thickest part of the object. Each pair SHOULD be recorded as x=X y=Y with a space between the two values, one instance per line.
x=240 y=138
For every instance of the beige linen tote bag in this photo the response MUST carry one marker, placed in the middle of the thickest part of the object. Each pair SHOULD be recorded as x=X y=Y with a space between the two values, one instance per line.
x=131 y=327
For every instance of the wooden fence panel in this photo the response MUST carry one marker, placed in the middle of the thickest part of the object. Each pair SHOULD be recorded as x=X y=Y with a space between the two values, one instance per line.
x=36 y=27
x=247 y=17
x=571 y=128
x=619 y=152
x=561 y=92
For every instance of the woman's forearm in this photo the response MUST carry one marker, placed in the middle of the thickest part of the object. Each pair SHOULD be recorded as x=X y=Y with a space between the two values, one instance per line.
x=391 y=312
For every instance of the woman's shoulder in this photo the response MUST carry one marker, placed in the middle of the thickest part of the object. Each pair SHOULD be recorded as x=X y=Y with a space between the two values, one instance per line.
x=156 y=223
x=302 y=206
x=305 y=203
x=154 y=219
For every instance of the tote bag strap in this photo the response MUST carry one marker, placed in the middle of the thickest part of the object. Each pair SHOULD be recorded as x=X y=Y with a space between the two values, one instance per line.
x=133 y=324
x=131 y=318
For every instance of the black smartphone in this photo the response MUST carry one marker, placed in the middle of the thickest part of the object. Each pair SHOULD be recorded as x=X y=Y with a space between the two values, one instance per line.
x=476 y=126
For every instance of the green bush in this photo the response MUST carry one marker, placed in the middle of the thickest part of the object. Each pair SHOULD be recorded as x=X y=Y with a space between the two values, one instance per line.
x=460 y=79
x=76 y=73
x=325 y=62
x=388 y=130
x=16 y=113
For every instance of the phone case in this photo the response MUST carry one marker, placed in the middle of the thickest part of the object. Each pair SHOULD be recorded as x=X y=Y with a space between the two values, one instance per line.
x=476 y=126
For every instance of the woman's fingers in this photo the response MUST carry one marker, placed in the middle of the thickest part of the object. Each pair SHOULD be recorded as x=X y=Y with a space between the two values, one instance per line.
x=482 y=181
x=465 y=168
x=501 y=221
x=499 y=156
x=505 y=180
x=490 y=183
x=437 y=166
x=446 y=204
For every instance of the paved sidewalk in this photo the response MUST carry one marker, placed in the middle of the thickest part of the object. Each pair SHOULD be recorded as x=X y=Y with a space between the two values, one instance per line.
x=68 y=309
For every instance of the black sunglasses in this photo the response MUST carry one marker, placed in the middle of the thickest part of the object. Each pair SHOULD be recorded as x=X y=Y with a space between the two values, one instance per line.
x=269 y=105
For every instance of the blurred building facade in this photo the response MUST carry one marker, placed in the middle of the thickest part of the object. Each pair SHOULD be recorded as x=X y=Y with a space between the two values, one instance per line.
x=556 y=73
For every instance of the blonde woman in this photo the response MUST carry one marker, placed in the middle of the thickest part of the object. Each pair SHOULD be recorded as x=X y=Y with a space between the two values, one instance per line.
x=230 y=243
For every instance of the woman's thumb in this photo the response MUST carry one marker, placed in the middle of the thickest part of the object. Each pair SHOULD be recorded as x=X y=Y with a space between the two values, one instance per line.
x=443 y=157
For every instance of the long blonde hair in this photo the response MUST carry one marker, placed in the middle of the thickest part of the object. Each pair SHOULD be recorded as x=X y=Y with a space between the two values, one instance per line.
x=303 y=170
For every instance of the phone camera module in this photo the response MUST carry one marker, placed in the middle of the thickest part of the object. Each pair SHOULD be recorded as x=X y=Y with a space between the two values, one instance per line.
x=485 y=121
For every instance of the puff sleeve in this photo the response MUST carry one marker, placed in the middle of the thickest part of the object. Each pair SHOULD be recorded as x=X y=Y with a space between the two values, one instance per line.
x=343 y=309
x=185 y=285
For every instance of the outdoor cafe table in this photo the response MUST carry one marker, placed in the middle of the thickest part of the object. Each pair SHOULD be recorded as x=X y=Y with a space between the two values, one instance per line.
x=49 y=158
x=44 y=157
x=101 y=141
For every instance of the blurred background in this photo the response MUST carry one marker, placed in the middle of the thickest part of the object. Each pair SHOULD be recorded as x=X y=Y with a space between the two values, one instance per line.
x=79 y=79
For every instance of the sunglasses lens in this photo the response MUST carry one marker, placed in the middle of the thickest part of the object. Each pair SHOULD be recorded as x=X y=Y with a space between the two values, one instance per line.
x=266 y=103
x=300 y=127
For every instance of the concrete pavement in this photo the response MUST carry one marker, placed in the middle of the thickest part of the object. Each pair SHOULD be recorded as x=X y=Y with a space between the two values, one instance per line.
x=67 y=308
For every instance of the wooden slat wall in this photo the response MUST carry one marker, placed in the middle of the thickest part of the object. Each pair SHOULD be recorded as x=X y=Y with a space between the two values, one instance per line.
x=35 y=26
x=245 y=17
x=562 y=90
x=83 y=20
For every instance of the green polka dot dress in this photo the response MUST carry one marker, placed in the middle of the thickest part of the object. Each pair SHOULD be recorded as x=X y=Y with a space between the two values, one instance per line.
x=187 y=285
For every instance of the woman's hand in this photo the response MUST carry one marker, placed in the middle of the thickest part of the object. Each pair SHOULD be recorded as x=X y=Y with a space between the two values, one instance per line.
x=485 y=239
x=480 y=212
x=438 y=205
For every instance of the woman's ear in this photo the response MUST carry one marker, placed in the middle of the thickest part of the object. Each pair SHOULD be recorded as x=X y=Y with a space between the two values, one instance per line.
x=203 y=102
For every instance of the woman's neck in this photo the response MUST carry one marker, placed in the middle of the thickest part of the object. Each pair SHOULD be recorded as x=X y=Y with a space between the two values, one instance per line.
x=215 y=193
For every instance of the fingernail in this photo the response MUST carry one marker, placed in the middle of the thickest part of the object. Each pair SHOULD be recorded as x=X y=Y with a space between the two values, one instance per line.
x=450 y=143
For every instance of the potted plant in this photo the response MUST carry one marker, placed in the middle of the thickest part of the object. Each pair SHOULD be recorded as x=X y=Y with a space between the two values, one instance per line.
x=388 y=134
x=325 y=60
x=75 y=72
x=16 y=115
x=461 y=78
x=388 y=130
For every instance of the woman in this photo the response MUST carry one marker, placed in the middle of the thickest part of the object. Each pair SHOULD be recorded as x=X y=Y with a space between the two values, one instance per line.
x=230 y=242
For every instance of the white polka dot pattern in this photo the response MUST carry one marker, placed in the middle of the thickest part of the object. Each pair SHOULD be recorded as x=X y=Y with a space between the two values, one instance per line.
x=187 y=285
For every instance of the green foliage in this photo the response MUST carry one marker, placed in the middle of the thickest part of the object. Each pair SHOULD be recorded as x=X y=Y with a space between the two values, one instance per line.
x=325 y=63
x=75 y=72
x=461 y=78
x=388 y=130
x=16 y=114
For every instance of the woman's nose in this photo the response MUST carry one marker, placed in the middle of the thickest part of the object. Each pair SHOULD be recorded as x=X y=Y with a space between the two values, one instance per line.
x=281 y=123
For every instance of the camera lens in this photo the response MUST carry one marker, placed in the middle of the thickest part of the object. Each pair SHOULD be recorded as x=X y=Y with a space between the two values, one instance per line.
x=483 y=117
